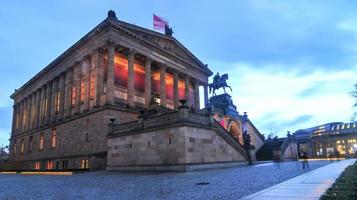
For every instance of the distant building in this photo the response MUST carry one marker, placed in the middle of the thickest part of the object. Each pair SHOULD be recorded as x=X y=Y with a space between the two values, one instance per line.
x=336 y=139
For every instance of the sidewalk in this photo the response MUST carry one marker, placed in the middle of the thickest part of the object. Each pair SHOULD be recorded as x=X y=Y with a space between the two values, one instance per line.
x=307 y=186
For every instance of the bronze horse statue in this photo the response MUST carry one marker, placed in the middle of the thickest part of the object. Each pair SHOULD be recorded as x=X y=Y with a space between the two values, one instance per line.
x=219 y=82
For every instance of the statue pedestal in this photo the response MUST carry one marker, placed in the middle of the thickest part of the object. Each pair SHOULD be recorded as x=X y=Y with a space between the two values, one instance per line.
x=223 y=104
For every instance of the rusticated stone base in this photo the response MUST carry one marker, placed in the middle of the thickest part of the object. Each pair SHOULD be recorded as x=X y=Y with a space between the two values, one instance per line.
x=179 y=148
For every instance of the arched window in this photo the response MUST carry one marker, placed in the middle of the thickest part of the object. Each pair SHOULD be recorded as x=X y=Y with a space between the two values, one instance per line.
x=42 y=142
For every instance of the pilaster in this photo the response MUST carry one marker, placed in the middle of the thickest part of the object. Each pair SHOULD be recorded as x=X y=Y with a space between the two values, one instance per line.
x=163 y=85
x=131 y=74
x=110 y=75
x=148 y=84
x=176 y=91
x=187 y=90
x=68 y=93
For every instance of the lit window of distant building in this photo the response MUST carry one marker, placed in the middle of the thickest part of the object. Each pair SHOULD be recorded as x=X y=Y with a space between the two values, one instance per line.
x=58 y=99
x=74 y=95
x=84 y=164
x=42 y=142
x=49 y=165
x=30 y=143
x=22 y=146
x=53 y=138
x=37 y=165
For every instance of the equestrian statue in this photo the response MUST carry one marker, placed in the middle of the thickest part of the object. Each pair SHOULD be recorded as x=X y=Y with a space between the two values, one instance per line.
x=219 y=82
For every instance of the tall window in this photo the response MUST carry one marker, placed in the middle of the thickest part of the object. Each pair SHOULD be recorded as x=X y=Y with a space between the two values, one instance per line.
x=58 y=99
x=37 y=165
x=83 y=89
x=91 y=91
x=42 y=142
x=49 y=165
x=84 y=164
x=30 y=143
x=53 y=138
x=22 y=148
x=74 y=95
x=120 y=70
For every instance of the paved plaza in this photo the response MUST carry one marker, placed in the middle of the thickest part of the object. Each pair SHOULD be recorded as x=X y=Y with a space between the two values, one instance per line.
x=229 y=183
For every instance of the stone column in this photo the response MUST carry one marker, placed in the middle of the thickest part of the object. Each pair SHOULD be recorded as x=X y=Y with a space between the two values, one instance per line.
x=187 y=90
x=61 y=96
x=13 y=128
x=98 y=71
x=48 y=103
x=67 y=106
x=19 y=117
x=33 y=108
x=22 y=114
x=28 y=104
x=77 y=85
x=176 y=90
x=42 y=102
x=131 y=74
x=163 y=85
x=148 y=81
x=197 y=96
x=109 y=97
x=54 y=99
x=37 y=109
x=205 y=90
x=86 y=78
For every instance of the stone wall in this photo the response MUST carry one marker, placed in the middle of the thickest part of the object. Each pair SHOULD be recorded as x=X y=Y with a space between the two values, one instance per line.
x=83 y=137
x=171 y=148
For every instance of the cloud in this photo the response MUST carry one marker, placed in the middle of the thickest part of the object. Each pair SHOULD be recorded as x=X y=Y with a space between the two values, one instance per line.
x=279 y=101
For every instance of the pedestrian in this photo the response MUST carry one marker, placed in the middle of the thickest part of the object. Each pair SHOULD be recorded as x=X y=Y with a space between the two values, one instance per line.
x=305 y=162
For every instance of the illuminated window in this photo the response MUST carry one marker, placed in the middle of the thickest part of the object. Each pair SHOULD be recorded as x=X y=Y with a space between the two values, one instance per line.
x=37 y=165
x=347 y=125
x=74 y=95
x=332 y=128
x=83 y=90
x=45 y=108
x=120 y=70
x=42 y=142
x=53 y=138
x=49 y=165
x=84 y=164
x=30 y=143
x=58 y=98
x=22 y=146
x=354 y=125
x=91 y=89
x=338 y=127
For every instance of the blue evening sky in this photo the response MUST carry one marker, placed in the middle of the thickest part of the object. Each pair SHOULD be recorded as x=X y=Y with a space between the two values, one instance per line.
x=291 y=63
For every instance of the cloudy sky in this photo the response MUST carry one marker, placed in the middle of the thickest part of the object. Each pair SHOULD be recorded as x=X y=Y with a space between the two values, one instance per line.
x=291 y=63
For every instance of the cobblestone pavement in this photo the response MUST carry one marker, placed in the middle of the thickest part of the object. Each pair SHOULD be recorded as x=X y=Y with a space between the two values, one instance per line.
x=229 y=183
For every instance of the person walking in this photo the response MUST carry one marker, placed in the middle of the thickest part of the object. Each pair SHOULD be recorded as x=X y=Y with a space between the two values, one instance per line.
x=305 y=162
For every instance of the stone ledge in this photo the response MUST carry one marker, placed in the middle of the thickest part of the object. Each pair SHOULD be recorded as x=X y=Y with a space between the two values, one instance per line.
x=177 y=168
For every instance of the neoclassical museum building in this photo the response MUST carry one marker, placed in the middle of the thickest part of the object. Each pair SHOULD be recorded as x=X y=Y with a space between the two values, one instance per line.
x=112 y=101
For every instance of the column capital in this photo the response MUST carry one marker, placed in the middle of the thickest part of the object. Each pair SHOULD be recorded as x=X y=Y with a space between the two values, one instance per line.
x=131 y=52
x=110 y=43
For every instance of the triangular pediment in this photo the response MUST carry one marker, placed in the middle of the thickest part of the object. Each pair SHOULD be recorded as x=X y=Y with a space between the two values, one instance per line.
x=162 y=41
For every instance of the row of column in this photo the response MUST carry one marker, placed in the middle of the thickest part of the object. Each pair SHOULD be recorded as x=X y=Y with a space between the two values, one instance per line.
x=148 y=85
x=80 y=87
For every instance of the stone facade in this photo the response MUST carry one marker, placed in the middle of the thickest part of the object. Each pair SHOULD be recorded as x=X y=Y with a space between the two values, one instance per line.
x=110 y=73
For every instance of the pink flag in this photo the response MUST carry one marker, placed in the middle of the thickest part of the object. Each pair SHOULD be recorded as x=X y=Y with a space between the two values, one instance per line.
x=159 y=23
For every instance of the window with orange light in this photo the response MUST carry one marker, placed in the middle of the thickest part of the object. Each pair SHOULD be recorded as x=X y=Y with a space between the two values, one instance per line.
x=139 y=76
x=155 y=81
x=42 y=142
x=169 y=82
x=74 y=95
x=84 y=164
x=49 y=165
x=181 y=89
x=37 y=165
x=22 y=146
x=58 y=99
x=83 y=90
x=91 y=89
x=120 y=70
x=53 y=138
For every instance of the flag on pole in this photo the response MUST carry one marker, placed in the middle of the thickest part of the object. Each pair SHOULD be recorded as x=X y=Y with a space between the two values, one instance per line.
x=159 y=23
